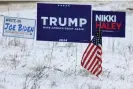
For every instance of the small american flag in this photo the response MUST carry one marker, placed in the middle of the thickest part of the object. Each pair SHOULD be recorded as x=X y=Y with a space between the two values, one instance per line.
x=92 y=57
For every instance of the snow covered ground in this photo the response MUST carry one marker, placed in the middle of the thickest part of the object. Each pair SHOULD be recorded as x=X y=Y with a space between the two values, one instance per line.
x=31 y=64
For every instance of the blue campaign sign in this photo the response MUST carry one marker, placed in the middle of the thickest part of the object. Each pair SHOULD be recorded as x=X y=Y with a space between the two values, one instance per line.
x=63 y=22
x=112 y=23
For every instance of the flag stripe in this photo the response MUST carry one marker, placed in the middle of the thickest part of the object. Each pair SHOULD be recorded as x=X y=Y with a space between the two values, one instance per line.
x=87 y=58
x=86 y=51
x=99 y=58
x=96 y=62
x=96 y=69
x=86 y=54
x=100 y=71
x=91 y=62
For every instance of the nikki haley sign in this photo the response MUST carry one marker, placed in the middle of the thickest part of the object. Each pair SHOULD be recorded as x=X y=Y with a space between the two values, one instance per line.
x=64 y=22
x=111 y=23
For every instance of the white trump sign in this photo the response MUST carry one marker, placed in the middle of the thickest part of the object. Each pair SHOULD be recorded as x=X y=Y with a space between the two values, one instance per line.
x=19 y=27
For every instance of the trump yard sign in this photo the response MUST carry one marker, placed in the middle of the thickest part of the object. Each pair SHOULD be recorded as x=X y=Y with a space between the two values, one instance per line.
x=63 y=22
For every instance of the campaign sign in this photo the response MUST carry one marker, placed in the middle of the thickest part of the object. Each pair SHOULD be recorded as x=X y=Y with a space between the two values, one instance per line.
x=19 y=27
x=63 y=22
x=111 y=23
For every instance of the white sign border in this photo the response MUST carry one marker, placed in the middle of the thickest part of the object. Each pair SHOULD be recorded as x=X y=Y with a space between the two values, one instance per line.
x=19 y=36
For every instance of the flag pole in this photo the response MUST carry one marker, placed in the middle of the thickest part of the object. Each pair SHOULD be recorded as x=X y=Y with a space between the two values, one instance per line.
x=100 y=29
x=99 y=34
